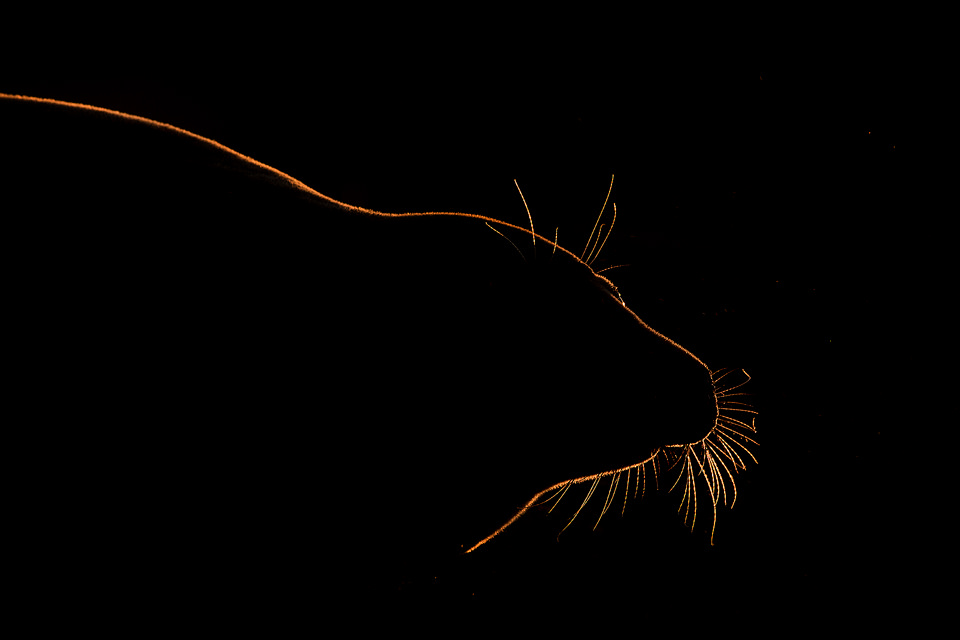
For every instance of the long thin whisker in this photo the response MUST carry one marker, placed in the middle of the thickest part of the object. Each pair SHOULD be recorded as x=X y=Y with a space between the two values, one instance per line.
x=558 y=494
x=732 y=424
x=508 y=240
x=713 y=499
x=614 y=482
x=726 y=407
x=656 y=472
x=533 y=234
x=679 y=476
x=717 y=379
x=598 y=218
x=626 y=493
x=728 y=389
x=616 y=266
x=587 y=259
x=733 y=483
x=585 y=501
x=724 y=401
x=715 y=476
x=732 y=432
x=590 y=261
x=690 y=487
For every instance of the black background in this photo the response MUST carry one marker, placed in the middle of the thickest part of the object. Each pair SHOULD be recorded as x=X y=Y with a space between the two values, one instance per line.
x=753 y=214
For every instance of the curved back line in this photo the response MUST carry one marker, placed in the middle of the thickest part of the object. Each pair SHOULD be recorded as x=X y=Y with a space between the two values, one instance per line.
x=330 y=202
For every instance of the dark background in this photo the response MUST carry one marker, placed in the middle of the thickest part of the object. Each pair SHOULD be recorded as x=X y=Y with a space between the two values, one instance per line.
x=758 y=219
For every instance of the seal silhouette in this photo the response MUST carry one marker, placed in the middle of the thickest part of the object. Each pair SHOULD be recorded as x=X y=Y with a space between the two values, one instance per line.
x=291 y=373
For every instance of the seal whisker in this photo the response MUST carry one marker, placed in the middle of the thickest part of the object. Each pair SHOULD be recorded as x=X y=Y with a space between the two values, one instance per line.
x=533 y=233
x=593 y=488
x=508 y=240
x=587 y=260
x=614 y=482
x=590 y=260
x=598 y=218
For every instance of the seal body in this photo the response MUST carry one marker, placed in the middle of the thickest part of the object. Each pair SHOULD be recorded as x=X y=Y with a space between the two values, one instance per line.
x=285 y=377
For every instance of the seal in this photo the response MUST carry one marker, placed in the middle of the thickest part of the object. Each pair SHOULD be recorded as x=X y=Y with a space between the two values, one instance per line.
x=279 y=372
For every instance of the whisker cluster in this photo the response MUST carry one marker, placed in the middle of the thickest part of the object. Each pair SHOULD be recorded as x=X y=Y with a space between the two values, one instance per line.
x=711 y=462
